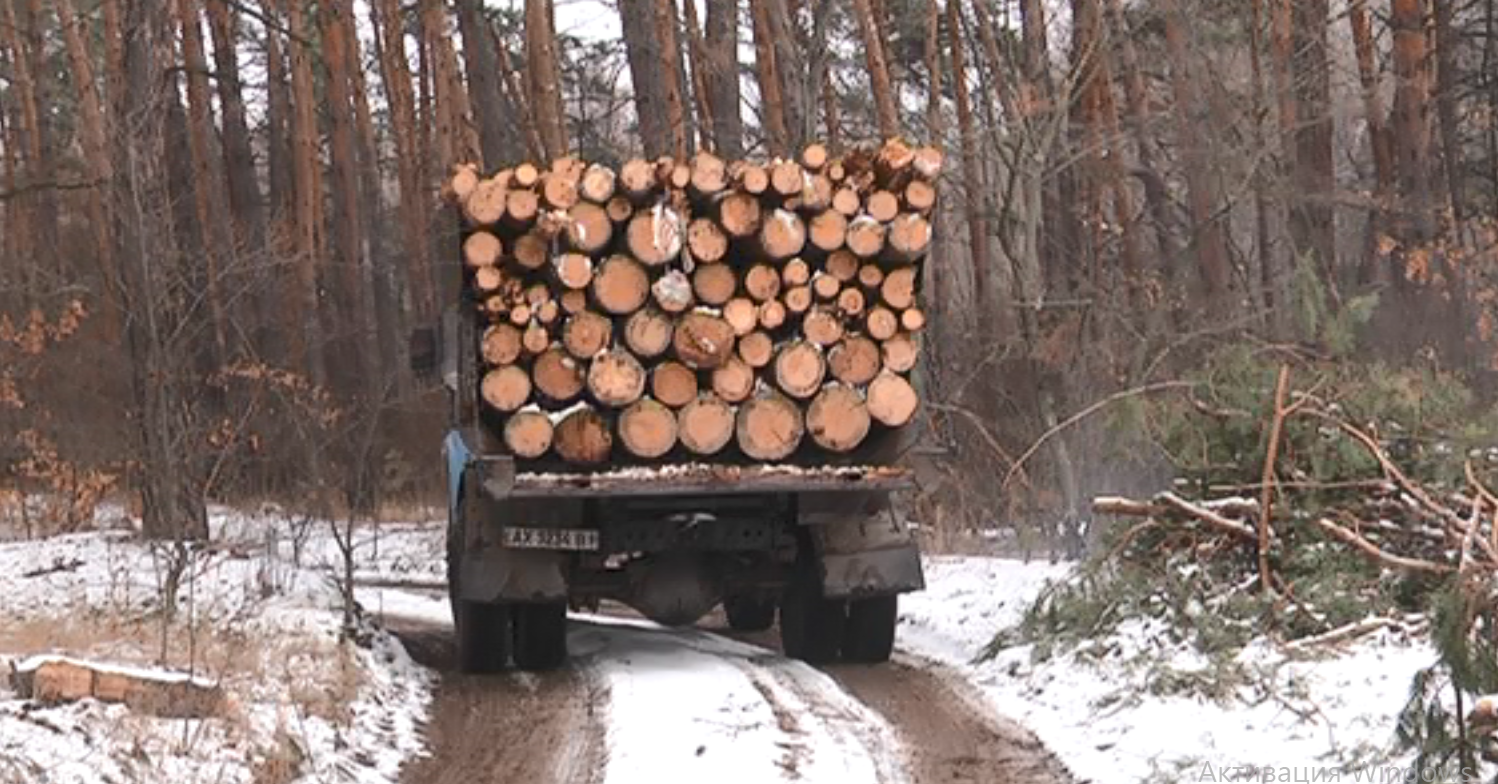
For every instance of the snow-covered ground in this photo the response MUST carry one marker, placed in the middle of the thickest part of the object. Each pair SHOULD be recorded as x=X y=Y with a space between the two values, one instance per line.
x=299 y=700
x=1107 y=710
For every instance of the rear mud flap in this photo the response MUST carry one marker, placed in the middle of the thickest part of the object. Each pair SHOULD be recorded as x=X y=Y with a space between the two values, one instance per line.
x=495 y=574
x=868 y=557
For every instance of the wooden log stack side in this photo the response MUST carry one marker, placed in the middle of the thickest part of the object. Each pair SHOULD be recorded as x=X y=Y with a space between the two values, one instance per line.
x=671 y=311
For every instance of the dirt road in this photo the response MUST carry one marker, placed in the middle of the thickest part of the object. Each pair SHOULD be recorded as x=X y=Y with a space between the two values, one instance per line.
x=643 y=704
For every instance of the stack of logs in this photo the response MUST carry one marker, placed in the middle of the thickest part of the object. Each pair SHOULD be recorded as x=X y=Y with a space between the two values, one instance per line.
x=699 y=308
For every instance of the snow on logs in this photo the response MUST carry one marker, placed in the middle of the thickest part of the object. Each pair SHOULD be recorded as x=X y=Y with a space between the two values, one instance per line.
x=673 y=310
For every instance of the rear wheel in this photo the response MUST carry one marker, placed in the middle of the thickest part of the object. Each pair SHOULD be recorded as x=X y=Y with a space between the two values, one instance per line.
x=481 y=630
x=811 y=625
x=749 y=613
x=540 y=635
x=870 y=636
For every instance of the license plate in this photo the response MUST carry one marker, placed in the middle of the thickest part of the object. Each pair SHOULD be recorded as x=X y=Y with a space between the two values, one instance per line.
x=550 y=538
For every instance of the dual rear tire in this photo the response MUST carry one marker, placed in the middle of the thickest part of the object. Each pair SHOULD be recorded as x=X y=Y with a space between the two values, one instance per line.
x=490 y=635
x=819 y=630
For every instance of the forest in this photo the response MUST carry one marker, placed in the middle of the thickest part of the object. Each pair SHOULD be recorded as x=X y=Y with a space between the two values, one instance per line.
x=221 y=219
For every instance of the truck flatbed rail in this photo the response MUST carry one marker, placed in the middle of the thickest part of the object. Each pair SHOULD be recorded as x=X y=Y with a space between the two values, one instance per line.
x=701 y=479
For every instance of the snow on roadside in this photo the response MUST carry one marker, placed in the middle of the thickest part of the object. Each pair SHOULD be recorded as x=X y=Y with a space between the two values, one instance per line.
x=302 y=704
x=1108 y=710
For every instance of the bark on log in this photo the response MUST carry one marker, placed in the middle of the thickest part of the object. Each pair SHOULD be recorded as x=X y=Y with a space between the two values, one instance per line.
x=647 y=428
x=583 y=437
x=799 y=369
x=855 y=360
x=558 y=377
x=621 y=286
x=673 y=292
x=587 y=333
x=619 y=209
x=506 y=388
x=892 y=400
x=769 y=427
x=705 y=425
x=673 y=384
x=528 y=434
x=838 y=418
x=703 y=341
x=615 y=378
x=648 y=333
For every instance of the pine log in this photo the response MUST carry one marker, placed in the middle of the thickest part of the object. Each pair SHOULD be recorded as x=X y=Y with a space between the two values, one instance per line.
x=741 y=314
x=842 y=264
x=881 y=323
x=893 y=159
x=705 y=425
x=846 y=202
x=892 y=400
x=714 y=284
x=521 y=208
x=488 y=280
x=482 y=249
x=673 y=384
x=752 y=179
x=920 y=196
x=898 y=288
x=548 y=312
x=673 y=291
x=485 y=205
x=558 y=377
x=734 y=380
x=648 y=333
x=615 y=378
x=816 y=194
x=574 y=301
x=647 y=428
x=535 y=294
x=882 y=206
x=706 y=241
x=756 y=349
x=501 y=345
x=828 y=230
x=528 y=434
x=762 y=282
x=865 y=237
x=464 y=178
x=558 y=190
x=786 y=178
x=799 y=369
x=772 y=314
x=814 y=156
x=798 y=299
x=913 y=319
x=529 y=251
x=838 y=418
x=769 y=427
x=583 y=437
x=709 y=174
x=783 y=235
x=870 y=276
x=679 y=176
x=796 y=272
x=927 y=163
x=536 y=338
x=637 y=179
x=520 y=314
x=855 y=360
x=526 y=175
x=619 y=209
x=589 y=228
x=587 y=333
x=909 y=237
x=655 y=236
x=822 y=326
x=826 y=287
x=621 y=286
x=702 y=340
x=506 y=388
x=899 y=353
x=850 y=302
x=574 y=270
x=598 y=184
x=739 y=214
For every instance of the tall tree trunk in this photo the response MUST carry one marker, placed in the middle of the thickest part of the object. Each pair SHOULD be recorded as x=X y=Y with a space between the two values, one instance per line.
x=395 y=71
x=972 y=178
x=933 y=70
x=1373 y=105
x=721 y=76
x=1312 y=219
x=707 y=132
x=1411 y=127
x=170 y=478
x=208 y=197
x=772 y=102
x=873 y=46
x=457 y=140
x=796 y=90
x=1447 y=86
x=1192 y=116
x=307 y=199
x=642 y=43
x=670 y=46
x=36 y=167
x=496 y=136
x=546 y=76
x=95 y=153
x=239 y=159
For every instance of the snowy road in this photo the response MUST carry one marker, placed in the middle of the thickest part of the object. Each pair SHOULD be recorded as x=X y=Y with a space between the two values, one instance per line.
x=639 y=704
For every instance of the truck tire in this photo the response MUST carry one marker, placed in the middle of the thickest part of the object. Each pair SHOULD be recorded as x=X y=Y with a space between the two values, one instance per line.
x=870 y=636
x=749 y=613
x=811 y=625
x=540 y=635
x=481 y=630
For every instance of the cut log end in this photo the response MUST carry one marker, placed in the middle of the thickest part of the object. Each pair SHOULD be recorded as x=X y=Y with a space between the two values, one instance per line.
x=900 y=352
x=756 y=349
x=673 y=384
x=648 y=333
x=769 y=427
x=799 y=369
x=703 y=341
x=714 y=284
x=838 y=419
x=621 y=286
x=482 y=249
x=855 y=360
x=583 y=437
x=783 y=235
x=892 y=400
x=898 y=288
x=705 y=425
x=734 y=380
x=822 y=326
x=741 y=314
x=647 y=429
x=586 y=334
x=673 y=292
x=528 y=434
x=616 y=379
x=655 y=236
x=558 y=377
x=706 y=241
x=506 y=388
x=501 y=345
x=589 y=228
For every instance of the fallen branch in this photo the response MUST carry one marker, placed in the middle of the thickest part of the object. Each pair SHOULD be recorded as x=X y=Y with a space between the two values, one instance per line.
x=1484 y=495
x=1271 y=457
x=1351 y=631
x=1208 y=516
x=1372 y=550
x=1128 y=507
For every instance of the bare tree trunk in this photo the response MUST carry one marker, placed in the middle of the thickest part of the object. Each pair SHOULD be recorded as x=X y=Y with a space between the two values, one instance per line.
x=1312 y=220
x=641 y=41
x=457 y=141
x=95 y=151
x=1446 y=98
x=670 y=46
x=307 y=201
x=706 y=122
x=239 y=159
x=772 y=103
x=496 y=135
x=36 y=165
x=884 y=93
x=933 y=70
x=208 y=198
x=790 y=65
x=721 y=75
x=972 y=178
x=1411 y=110
x=395 y=70
x=278 y=123
x=545 y=74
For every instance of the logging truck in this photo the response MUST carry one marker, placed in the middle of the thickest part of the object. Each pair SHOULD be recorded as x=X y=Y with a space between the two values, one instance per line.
x=680 y=386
